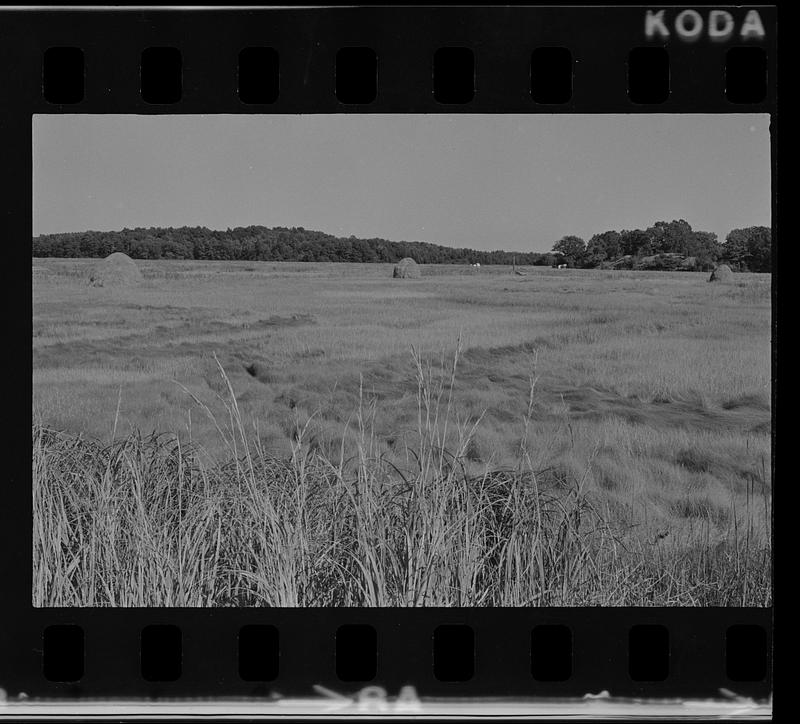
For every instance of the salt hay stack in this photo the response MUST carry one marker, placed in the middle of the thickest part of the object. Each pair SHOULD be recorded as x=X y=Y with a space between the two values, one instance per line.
x=116 y=270
x=722 y=273
x=406 y=269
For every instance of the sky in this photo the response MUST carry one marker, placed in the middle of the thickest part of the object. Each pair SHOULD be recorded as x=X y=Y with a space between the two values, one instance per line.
x=515 y=182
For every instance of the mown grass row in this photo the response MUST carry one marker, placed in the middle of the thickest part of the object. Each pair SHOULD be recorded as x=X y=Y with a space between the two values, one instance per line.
x=148 y=521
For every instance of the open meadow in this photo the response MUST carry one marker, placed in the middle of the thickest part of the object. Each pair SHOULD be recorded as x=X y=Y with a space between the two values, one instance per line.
x=312 y=434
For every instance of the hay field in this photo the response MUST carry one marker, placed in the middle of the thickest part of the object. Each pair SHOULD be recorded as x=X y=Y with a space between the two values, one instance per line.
x=281 y=434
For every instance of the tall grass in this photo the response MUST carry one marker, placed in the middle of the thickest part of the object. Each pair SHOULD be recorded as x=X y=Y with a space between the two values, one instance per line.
x=152 y=521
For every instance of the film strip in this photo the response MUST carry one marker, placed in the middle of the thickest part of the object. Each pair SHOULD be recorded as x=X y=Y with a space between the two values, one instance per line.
x=358 y=660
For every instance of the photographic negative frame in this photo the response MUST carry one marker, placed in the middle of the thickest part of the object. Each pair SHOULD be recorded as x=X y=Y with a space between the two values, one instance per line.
x=636 y=61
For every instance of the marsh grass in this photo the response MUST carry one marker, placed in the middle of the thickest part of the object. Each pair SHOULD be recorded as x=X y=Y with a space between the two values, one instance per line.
x=154 y=521
x=654 y=337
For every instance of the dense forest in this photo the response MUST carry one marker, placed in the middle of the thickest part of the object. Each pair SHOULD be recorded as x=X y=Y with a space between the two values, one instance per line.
x=258 y=243
x=670 y=245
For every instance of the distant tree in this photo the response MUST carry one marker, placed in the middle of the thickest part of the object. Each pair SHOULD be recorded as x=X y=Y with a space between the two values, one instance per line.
x=706 y=251
x=71 y=246
x=749 y=249
x=603 y=247
x=670 y=237
x=634 y=242
x=573 y=248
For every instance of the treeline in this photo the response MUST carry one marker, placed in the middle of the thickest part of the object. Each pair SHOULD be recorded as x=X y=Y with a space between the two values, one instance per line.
x=258 y=243
x=672 y=245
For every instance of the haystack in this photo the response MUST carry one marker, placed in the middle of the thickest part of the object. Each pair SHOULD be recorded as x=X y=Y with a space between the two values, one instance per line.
x=407 y=269
x=116 y=270
x=723 y=273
